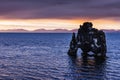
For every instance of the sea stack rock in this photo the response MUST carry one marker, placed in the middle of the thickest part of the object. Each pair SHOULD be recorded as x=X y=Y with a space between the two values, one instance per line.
x=88 y=39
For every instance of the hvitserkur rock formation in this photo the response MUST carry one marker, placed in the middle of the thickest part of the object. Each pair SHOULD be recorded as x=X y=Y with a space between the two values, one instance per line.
x=88 y=39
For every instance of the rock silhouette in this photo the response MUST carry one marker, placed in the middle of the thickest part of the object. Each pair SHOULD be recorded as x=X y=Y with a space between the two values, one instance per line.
x=88 y=39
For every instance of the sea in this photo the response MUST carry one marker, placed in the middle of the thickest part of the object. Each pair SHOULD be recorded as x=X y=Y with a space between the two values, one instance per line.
x=43 y=56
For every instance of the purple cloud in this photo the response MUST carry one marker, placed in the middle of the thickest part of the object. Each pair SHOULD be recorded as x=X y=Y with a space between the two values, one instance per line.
x=66 y=9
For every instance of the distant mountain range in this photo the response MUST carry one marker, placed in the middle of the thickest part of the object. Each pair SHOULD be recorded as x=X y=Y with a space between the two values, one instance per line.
x=39 y=31
x=47 y=31
x=14 y=30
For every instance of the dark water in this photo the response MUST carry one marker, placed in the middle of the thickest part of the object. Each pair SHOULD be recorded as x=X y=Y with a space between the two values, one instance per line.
x=44 y=57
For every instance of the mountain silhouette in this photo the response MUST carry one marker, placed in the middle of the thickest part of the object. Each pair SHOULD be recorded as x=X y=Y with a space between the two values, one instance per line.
x=49 y=31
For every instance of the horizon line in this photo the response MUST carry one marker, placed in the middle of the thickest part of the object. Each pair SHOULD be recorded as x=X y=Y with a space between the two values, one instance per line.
x=48 y=30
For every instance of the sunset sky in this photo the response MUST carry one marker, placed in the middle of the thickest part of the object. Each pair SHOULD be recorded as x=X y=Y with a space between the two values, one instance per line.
x=58 y=14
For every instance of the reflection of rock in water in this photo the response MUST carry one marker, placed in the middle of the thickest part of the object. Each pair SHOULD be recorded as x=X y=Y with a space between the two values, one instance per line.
x=88 y=39
x=81 y=69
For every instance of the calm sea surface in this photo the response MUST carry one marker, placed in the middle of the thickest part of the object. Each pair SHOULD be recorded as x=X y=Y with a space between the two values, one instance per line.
x=44 y=57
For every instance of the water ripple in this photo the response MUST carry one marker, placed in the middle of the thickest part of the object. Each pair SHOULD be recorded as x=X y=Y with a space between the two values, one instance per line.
x=44 y=57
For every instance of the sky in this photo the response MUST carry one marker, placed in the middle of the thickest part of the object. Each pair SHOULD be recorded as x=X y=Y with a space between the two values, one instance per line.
x=59 y=14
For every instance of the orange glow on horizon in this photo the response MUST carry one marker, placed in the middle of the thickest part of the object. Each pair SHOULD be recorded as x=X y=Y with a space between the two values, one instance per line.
x=32 y=24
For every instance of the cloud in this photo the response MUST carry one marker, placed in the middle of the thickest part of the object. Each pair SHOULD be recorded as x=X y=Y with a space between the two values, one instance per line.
x=59 y=9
